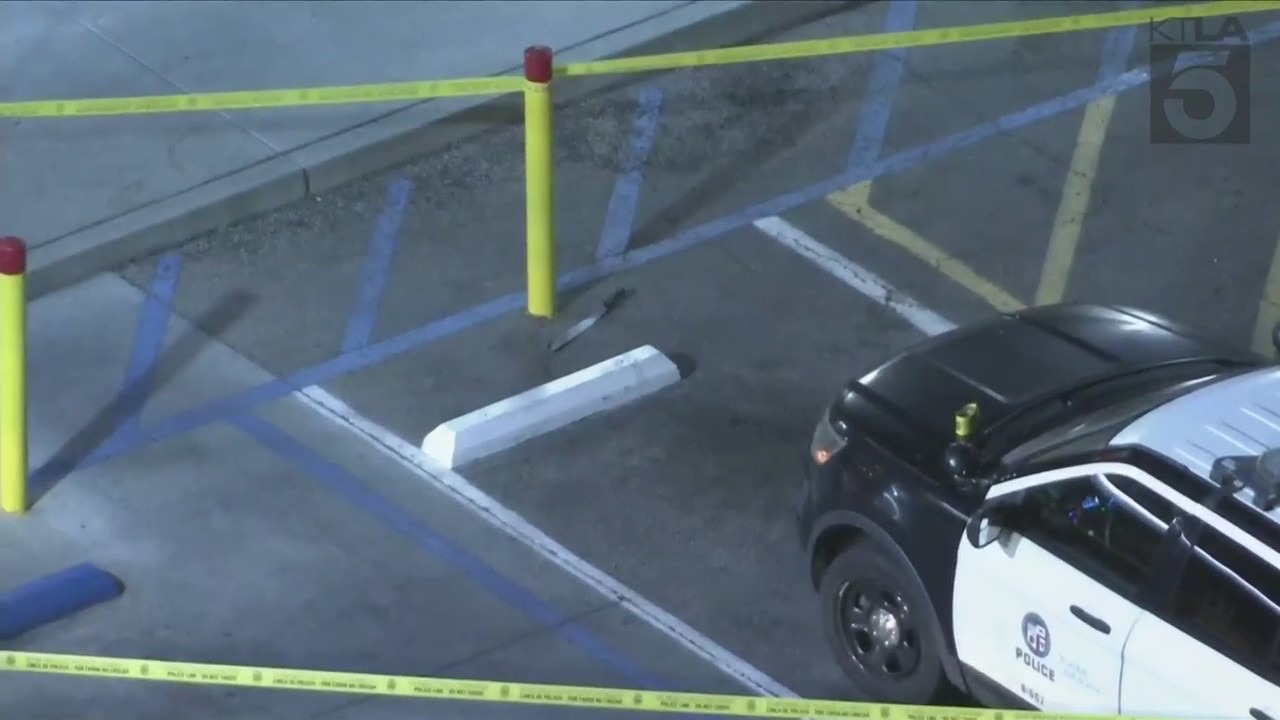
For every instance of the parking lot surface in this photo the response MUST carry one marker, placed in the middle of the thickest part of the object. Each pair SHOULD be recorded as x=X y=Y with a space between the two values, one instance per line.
x=686 y=497
x=277 y=538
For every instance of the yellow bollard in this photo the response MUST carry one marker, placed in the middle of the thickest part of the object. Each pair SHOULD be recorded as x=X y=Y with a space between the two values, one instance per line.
x=13 y=375
x=540 y=255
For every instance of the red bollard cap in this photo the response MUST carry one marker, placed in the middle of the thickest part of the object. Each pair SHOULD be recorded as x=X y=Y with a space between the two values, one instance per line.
x=537 y=64
x=13 y=256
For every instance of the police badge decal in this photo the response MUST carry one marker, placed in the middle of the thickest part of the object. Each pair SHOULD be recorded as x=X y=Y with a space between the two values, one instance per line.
x=1035 y=635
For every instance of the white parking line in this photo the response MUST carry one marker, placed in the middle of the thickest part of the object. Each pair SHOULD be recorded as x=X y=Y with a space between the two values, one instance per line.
x=853 y=275
x=526 y=533
x=505 y=519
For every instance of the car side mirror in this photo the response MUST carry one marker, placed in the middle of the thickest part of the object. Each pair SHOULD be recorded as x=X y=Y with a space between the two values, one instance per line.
x=987 y=524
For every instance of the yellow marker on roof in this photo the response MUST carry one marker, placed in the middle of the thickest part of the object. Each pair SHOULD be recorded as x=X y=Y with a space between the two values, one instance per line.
x=966 y=419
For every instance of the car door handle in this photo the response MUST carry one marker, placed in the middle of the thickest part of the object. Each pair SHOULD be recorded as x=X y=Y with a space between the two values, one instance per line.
x=1092 y=621
x=1259 y=714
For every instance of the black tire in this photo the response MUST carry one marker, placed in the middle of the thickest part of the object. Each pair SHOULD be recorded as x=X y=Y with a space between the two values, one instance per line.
x=864 y=571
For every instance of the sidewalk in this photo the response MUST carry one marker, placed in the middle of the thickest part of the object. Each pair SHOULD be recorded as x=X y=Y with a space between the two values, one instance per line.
x=88 y=193
x=278 y=538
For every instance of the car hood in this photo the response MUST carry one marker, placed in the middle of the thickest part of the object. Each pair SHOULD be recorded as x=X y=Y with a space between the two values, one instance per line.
x=1010 y=362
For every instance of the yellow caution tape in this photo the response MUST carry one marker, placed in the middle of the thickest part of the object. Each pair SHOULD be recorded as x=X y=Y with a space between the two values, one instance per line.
x=407 y=91
x=260 y=99
x=913 y=38
x=496 y=692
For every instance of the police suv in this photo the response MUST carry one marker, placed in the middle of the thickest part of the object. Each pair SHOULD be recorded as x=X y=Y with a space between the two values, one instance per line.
x=1071 y=508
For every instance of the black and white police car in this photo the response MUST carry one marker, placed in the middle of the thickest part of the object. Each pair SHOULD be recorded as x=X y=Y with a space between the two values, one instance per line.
x=1071 y=508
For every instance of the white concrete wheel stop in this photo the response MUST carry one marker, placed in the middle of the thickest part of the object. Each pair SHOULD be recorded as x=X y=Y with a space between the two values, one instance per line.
x=507 y=423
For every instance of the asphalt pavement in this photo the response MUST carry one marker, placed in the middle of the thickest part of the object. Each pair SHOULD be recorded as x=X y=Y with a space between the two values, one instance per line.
x=273 y=538
x=686 y=497
x=128 y=184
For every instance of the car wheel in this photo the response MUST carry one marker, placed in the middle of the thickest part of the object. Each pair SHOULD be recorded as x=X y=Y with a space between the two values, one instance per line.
x=876 y=619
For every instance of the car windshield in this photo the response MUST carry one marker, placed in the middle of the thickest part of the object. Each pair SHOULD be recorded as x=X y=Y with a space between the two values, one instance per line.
x=1088 y=419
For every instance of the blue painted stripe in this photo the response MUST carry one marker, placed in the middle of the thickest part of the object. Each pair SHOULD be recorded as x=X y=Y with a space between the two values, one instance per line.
x=323 y=372
x=148 y=340
x=621 y=214
x=55 y=597
x=377 y=266
x=882 y=88
x=182 y=423
x=1117 y=48
x=351 y=489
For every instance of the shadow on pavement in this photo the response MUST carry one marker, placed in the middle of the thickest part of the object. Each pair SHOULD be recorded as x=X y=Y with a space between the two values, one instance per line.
x=105 y=427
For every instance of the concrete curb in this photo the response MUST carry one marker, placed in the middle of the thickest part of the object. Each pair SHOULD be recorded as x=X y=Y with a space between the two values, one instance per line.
x=550 y=406
x=398 y=137
x=55 y=597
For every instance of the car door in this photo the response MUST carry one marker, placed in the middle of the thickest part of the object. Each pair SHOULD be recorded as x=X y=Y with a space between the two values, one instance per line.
x=1213 y=650
x=1045 y=610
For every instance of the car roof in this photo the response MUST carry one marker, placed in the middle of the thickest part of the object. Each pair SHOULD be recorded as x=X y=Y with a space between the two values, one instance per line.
x=1239 y=415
